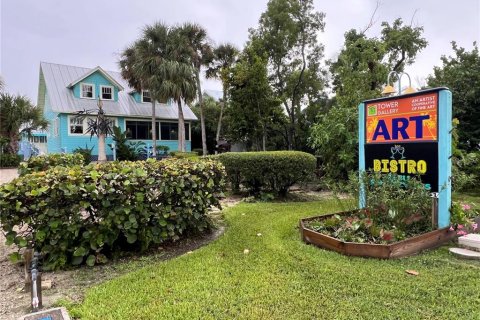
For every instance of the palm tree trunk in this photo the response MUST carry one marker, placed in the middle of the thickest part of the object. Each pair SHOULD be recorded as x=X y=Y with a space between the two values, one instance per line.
x=102 y=156
x=219 y=125
x=154 y=130
x=181 y=128
x=202 y=116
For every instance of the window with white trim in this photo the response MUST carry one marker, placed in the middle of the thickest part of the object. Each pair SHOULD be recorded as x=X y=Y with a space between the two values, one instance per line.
x=76 y=125
x=146 y=96
x=87 y=91
x=107 y=92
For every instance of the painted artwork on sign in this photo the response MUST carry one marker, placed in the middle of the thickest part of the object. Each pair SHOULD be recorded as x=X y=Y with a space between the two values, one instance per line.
x=401 y=136
x=408 y=119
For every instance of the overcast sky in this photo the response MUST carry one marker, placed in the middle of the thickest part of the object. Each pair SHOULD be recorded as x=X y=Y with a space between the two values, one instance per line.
x=91 y=33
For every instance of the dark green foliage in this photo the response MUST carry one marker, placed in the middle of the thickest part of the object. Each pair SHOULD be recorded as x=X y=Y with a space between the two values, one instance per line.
x=287 y=35
x=211 y=112
x=8 y=160
x=127 y=150
x=465 y=165
x=253 y=113
x=359 y=74
x=45 y=162
x=85 y=152
x=81 y=214
x=270 y=171
x=461 y=74
x=18 y=116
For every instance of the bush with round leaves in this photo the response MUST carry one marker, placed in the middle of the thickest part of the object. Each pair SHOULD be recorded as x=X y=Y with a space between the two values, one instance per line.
x=75 y=215
x=47 y=161
x=268 y=171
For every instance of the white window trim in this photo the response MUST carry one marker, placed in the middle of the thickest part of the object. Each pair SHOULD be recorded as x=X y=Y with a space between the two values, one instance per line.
x=84 y=125
x=113 y=93
x=81 y=90
x=141 y=96
x=84 y=122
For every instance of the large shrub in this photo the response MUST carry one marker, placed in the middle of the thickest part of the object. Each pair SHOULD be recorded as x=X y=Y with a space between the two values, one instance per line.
x=75 y=215
x=270 y=171
x=8 y=160
x=45 y=162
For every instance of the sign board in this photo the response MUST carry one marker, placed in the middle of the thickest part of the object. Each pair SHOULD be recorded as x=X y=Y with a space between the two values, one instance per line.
x=410 y=135
x=50 y=314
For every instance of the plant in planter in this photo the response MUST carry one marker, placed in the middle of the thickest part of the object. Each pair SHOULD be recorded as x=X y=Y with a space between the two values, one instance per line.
x=397 y=207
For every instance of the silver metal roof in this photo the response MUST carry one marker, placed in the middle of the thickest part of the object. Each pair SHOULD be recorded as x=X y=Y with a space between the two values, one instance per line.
x=58 y=77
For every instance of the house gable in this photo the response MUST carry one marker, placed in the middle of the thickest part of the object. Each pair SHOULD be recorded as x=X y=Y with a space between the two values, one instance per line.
x=98 y=81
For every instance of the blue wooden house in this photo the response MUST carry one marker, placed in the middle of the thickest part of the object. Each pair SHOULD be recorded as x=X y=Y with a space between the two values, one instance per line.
x=64 y=90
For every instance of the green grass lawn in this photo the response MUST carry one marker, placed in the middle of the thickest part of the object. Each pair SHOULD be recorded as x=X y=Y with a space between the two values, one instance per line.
x=283 y=278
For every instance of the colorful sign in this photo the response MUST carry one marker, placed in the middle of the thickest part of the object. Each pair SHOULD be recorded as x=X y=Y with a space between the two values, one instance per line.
x=406 y=119
x=410 y=135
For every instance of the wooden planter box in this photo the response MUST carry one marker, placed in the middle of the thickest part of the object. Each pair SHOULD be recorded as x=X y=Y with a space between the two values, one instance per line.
x=399 y=249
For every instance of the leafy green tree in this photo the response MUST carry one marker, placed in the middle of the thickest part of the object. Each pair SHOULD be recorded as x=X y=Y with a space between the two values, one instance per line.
x=200 y=53
x=211 y=112
x=358 y=74
x=461 y=74
x=224 y=57
x=253 y=107
x=18 y=116
x=288 y=35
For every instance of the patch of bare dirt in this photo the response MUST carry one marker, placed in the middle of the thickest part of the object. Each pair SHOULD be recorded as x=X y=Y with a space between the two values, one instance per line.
x=71 y=284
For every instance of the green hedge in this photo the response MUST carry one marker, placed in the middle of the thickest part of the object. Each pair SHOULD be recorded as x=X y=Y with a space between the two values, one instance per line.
x=82 y=214
x=183 y=155
x=271 y=171
x=45 y=162
x=8 y=160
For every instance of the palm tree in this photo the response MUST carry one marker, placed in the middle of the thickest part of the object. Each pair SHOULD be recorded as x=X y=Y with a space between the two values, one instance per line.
x=2 y=84
x=158 y=61
x=100 y=126
x=200 y=54
x=224 y=58
x=138 y=81
x=19 y=116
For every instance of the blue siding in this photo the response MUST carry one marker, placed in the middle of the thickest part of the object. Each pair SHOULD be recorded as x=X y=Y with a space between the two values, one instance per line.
x=53 y=139
x=71 y=142
x=68 y=142
x=98 y=80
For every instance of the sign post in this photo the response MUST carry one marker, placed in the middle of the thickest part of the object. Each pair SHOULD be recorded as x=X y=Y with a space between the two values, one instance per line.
x=410 y=135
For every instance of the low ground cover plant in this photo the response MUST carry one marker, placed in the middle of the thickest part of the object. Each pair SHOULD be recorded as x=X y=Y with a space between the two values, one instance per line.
x=45 y=162
x=85 y=214
x=396 y=207
x=270 y=171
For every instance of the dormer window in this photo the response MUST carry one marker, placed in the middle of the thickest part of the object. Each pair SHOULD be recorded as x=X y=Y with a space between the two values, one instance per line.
x=87 y=91
x=107 y=92
x=146 y=96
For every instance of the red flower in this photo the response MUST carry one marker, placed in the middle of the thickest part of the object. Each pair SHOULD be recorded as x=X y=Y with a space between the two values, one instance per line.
x=387 y=236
